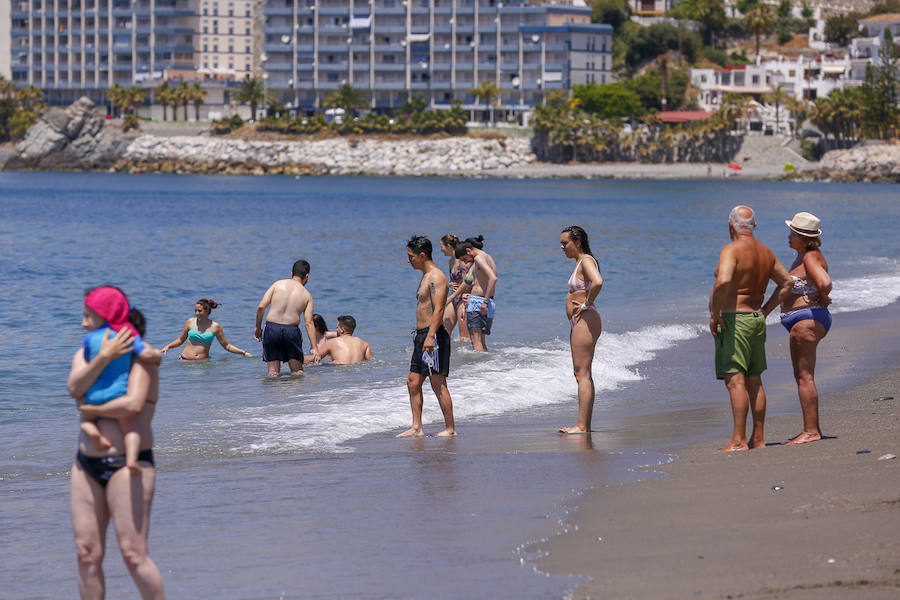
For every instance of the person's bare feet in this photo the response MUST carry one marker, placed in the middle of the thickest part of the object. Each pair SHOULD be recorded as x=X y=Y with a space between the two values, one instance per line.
x=446 y=433
x=411 y=432
x=734 y=448
x=572 y=430
x=99 y=440
x=804 y=438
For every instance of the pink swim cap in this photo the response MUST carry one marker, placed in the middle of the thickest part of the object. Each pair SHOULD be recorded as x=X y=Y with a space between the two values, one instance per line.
x=112 y=305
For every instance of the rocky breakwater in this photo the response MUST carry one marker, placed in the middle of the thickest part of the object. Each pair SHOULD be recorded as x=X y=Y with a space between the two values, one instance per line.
x=333 y=156
x=876 y=162
x=70 y=138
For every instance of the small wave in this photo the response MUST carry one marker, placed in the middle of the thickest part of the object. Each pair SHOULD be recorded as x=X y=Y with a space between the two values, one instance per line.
x=512 y=378
x=508 y=379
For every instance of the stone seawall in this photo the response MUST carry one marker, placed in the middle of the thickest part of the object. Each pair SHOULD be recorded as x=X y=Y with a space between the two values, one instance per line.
x=333 y=156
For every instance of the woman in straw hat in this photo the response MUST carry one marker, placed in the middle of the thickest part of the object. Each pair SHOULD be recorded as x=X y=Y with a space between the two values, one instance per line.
x=804 y=313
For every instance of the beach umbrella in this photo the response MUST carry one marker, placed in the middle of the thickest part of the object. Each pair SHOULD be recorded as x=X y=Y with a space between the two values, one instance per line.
x=735 y=167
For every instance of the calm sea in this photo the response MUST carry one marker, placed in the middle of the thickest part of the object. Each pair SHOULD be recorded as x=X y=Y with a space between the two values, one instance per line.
x=296 y=487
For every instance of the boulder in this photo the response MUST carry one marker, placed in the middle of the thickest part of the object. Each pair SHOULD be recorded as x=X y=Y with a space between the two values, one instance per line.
x=71 y=138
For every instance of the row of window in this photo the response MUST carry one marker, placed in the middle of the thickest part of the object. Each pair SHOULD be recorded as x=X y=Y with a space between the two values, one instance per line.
x=215 y=48
x=215 y=28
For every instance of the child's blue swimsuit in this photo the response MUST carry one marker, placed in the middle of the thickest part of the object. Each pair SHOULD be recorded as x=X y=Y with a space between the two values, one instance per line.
x=113 y=381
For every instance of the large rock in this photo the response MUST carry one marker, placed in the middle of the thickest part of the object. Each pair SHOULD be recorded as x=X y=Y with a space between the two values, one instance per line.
x=879 y=162
x=70 y=138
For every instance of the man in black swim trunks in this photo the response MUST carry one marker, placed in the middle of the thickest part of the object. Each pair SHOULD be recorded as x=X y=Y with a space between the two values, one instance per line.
x=430 y=335
x=287 y=300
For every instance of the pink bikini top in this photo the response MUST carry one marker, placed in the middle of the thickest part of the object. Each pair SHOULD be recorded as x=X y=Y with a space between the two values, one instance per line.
x=576 y=284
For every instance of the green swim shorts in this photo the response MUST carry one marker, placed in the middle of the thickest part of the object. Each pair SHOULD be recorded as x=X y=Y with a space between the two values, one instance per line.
x=741 y=348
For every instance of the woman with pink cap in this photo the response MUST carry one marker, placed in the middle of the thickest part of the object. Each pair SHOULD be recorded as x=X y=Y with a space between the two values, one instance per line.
x=121 y=394
x=804 y=313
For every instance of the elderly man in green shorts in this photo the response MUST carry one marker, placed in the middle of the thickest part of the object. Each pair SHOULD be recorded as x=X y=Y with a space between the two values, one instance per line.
x=737 y=321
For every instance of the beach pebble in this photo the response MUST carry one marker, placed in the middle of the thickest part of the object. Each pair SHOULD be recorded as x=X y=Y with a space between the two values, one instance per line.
x=887 y=457
x=883 y=398
x=831 y=561
x=863 y=451
x=777 y=488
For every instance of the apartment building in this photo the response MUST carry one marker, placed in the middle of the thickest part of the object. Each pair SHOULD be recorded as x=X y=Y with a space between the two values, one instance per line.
x=438 y=49
x=225 y=44
x=70 y=48
x=5 y=39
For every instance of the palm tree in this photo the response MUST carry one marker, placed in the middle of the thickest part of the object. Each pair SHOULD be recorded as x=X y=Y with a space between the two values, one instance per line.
x=163 y=95
x=251 y=92
x=488 y=92
x=799 y=109
x=778 y=97
x=347 y=98
x=134 y=98
x=759 y=19
x=118 y=97
x=183 y=92
x=198 y=96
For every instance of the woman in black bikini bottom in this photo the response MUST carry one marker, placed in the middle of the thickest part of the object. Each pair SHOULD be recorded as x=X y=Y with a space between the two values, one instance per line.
x=101 y=489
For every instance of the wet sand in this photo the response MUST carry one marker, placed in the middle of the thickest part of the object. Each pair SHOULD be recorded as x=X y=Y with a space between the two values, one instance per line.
x=821 y=520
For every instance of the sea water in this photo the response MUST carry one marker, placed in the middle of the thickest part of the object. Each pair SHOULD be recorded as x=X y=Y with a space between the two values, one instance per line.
x=296 y=487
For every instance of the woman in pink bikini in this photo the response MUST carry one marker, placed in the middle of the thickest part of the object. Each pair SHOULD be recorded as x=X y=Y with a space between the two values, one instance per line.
x=584 y=285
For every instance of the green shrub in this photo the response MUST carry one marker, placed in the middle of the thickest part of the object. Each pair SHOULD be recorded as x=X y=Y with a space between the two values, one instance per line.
x=811 y=148
x=715 y=55
x=785 y=35
x=131 y=122
x=226 y=124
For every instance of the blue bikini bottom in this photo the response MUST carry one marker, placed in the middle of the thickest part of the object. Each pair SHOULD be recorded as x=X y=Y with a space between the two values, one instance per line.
x=816 y=313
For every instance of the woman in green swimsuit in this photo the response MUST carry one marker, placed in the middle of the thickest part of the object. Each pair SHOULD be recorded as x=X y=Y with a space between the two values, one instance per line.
x=199 y=333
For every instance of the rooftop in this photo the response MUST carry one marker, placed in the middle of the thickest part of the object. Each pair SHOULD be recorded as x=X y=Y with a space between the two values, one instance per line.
x=881 y=18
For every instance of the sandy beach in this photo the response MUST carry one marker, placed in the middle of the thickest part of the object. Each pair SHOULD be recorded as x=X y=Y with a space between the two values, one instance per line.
x=814 y=521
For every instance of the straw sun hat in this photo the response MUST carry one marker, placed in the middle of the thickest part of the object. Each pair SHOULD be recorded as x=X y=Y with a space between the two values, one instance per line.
x=805 y=224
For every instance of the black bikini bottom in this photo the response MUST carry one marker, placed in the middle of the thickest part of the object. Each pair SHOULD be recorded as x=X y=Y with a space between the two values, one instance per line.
x=102 y=468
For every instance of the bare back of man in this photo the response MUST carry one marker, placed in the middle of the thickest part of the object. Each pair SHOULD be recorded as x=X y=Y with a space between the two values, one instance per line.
x=289 y=301
x=345 y=350
x=737 y=323
x=753 y=267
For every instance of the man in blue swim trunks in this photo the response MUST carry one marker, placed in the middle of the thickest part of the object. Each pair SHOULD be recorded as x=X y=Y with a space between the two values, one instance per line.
x=737 y=321
x=288 y=302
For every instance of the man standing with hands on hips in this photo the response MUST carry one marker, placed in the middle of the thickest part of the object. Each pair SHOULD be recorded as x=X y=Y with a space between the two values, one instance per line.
x=431 y=346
